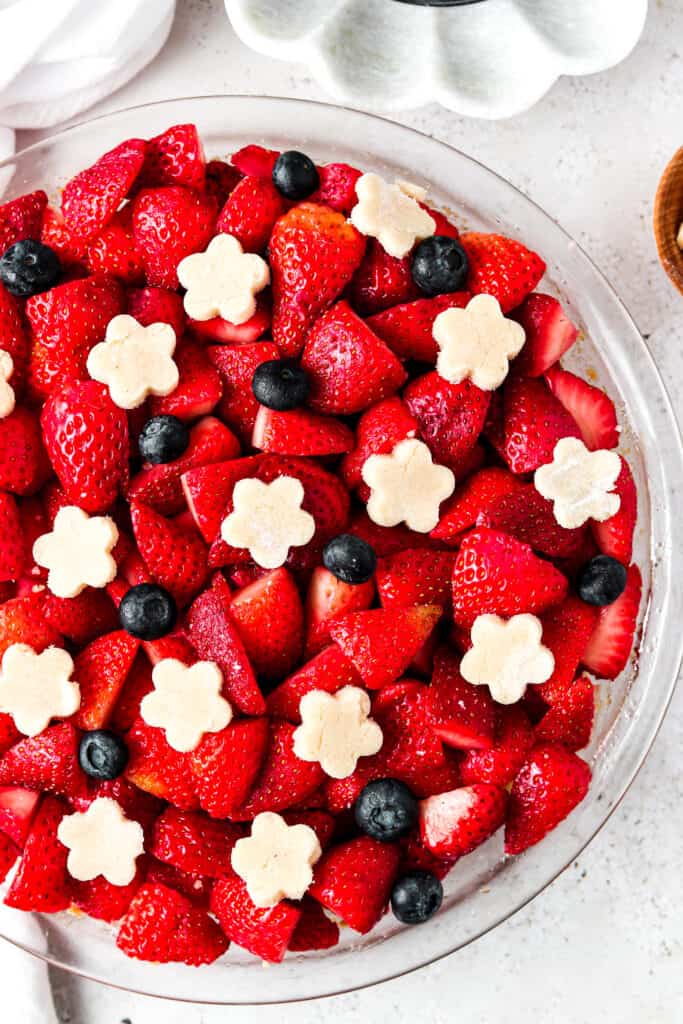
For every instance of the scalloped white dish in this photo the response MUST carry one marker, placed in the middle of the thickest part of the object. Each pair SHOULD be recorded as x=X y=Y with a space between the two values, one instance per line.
x=490 y=59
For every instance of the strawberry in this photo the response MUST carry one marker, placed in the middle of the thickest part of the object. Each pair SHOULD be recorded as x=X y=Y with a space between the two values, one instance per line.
x=416 y=857
x=174 y=554
x=327 y=599
x=100 y=899
x=285 y=780
x=314 y=252
x=589 y=406
x=157 y=768
x=136 y=805
x=386 y=540
x=22 y=621
x=329 y=671
x=24 y=466
x=163 y=926
x=199 y=390
x=534 y=422
x=11 y=539
x=14 y=339
x=494 y=573
x=337 y=187
x=407 y=328
x=156 y=305
x=21 y=218
x=221 y=179
x=549 y=334
x=498 y=764
x=194 y=843
x=567 y=628
x=137 y=685
x=378 y=431
x=453 y=824
x=81 y=618
x=354 y=881
x=270 y=620
x=101 y=670
x=315 y=930
x=570 y=719
x=615 y=536
x=381 y=643
x=529 y=517
x=92 y=197
x=322 y=823
x=255 y=160
x=215 y=637
x=86 y=437
x=208 y=489
x=250 y=212
x=381 y=281
x=195 y=887
x=471 y=499
x=450 y=417
x=112 y=250
x=415 y=576
x=501 y=267
x=9 y=734
x=610 y=645
x=462 y=715
x=42 y=882
x=443 y=225
x=70 y=247
x=48 y=762
x=225 y=332
x=265 y=932
x=236 y=365
x=550 y=784
x=349 y=367
x=17 y=809
x=226 y=765
x=8 y=856
x=175 y=157
x=169 y=224
x=300 y=432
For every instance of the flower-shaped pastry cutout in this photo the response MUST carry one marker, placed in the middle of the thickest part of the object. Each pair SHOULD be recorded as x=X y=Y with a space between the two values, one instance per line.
x=580 y=483
x=186 y=702
x=477 y=342
x=276 y=860
x=78 y=552
x=135 y=361
x=336 y=729
x=35 y=688
x=7 y=397
x=268 y=519
x=506 y=655
x=406 y=486
x=223 y=281
x=102 y=841
x=390 y=214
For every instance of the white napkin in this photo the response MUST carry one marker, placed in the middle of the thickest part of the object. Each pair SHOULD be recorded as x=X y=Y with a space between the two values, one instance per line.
x=58 y=57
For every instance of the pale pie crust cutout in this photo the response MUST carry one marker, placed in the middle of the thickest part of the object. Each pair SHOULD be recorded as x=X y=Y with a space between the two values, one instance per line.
x=276 y=860
x=102 y=841
x=391 y=214
x=223 y=281
x=580 y=483
x=35 y=688
x=476 y=343
x=506 y=655
x=406 y=486
x=186 y=702
x=135 y=361
x=78 y=552
x=268 y=520
x=336 y=729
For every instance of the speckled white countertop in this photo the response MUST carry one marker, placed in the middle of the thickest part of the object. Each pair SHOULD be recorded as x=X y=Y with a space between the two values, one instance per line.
x=604 y=945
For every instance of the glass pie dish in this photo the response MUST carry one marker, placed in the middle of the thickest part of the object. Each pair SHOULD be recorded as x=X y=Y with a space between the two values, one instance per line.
x=487 y=887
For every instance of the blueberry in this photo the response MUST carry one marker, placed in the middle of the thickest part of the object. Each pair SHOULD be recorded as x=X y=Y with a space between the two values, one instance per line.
x=349 y=558
x=163 y=439
x=29 y=267
x=440 y=265
x=102 y=754
x=416 y=897
x=280 y=384
x=386 y=809
x=147 y=612
x=602 y=581
x=295 y=175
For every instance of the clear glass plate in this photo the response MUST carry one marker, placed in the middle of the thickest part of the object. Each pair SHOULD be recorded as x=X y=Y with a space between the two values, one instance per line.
x=485 y=888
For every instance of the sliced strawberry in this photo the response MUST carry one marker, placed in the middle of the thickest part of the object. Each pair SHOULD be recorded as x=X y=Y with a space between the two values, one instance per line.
x=101 y=670
x=570 y=719
x=137 y=685
x=255 y=160
x=549 y=334
x=548 y=787
x=378 y=431
x=498 y=764
x=462 y=715
x=285 y=780
x=156 y=305
x=270 y=620
x=588 y=405
x=9 y=734
x=416 y=857
x=22 y=218
x=407 y=328
x=221 y=179
x=194 y=843
x=349 y=367
x=250 y=212
x=381 y=281
x=337 y=187
x=174 y=554
x=70 y=247
x=226 y=765
x=494 y=573
x=415 y=576
x=17 y=809
x=163 y=926
x=22 y=621
x=450 y=417
x=266 y=933
x=471 y=499
x=157 y=768
x=534 y=422
x=236 y=365
x=567 y=628
x=176 y=157
x=354 y=881
x=100 y=899
x=453 y=824
x=381 y=643
x=300 y=432
x=112 y=250
x=81 y=618
x=46 y=762
x=93 y=196
x=314 y=252
x=528 y=516
x=225 y=332
x=199 y=390
x=315 y=930
x=611 y=643
x=11 y=539
x=329 y=598
x=169 y=224
x=42 y=881
x=501 y=267
x=329 y=671
x=615 y=536
x=8 y=855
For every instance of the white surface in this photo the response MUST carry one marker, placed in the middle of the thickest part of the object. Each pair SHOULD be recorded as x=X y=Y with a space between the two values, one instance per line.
x=604 y=945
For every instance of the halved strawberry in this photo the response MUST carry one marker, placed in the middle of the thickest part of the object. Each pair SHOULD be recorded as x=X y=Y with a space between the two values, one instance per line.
x=135 y=804
x=315 y=930
x=256 y=160
x=549 y=334
x=17 y=808
x=47 y=762
x=195 y=887
x=199 y=390
x=163 y=926
x=354 y=881
x=381 y=281
x=528 y=516
x=221 y=179
x=8 y=855
x=225 y=332
x=475 y=496
x=415 y=576
x=194 y=843
x=534 y=422
x=300 y=432
x=14 y=339
x=157 y=768
x=453 y=824
x=407 y=328
x=381 y=643
x=208 y=489
x=176 y=157
x=81 y=618
x=500 y=763
x=611 y=642
x=337 y=187
x=169 y=224
x=494 y=573
x=588 y=405
x=137 y=685
x=285 y=780
x=387 y=540
x=270 y=620
x=615 y=536
x=450 y=417
x=462 y=715
x=567 y=629
x=101 y=670
x=9 y=734
x=266 y=933
x=327 y=599
x=70 y=247
x=250 y=212
x=22 y=621
x=92 y=197
x=329 y=671
x=236 y=365
x=378 y=431
x=113 y=251
x=548 y=787
x=156 y=305
x=501 y=267
x=570 y=719
x=11 y=539
x=24 y=466
x=100 y=899
x=22 y=218
x=174 y=554
x=42 y=882
x=226 y=765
